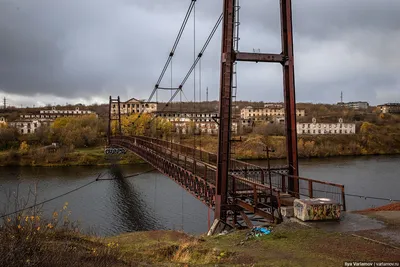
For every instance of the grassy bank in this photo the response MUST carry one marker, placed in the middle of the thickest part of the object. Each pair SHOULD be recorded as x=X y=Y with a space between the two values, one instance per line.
x=288 y=245
x=62 y=157
x=252 y=146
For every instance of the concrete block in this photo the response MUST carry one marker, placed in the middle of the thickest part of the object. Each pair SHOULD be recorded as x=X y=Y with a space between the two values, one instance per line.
x=316 y=209
x=287 y=211
x=218 y=227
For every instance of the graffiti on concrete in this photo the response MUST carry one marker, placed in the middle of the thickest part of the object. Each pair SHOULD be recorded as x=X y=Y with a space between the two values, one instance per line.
x=314 y=210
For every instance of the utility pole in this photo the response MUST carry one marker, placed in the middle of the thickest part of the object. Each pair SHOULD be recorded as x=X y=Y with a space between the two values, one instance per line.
x=207 y=94
x=5 y=102
x=341 y=96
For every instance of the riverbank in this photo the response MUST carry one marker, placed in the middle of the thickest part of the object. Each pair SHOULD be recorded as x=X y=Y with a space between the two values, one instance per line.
x=78 y=157
x=289 y=244
x=251 y=147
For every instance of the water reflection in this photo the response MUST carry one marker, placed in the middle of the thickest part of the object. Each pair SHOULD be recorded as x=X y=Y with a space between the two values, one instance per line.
x=130 y=211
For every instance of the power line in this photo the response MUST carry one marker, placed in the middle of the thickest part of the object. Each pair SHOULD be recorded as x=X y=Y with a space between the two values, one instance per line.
x=69 y=192
x=51 y=199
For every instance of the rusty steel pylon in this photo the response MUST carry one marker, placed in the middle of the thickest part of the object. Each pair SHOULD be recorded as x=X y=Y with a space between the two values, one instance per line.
x=228 y=57
x=114 y=115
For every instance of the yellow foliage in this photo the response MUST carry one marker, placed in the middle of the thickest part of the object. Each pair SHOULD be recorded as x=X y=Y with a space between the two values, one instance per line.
x=24 y=147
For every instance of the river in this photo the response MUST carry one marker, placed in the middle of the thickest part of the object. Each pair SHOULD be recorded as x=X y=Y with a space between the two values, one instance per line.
x=152 y=201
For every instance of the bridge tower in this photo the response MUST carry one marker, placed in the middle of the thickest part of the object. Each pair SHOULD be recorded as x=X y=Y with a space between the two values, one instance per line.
x=228 y=58
x=114 y=114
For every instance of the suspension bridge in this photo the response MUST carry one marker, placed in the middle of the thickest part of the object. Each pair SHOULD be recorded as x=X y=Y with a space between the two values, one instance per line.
x=237 y=191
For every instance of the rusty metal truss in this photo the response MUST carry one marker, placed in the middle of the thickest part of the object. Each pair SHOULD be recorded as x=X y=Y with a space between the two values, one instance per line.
x=248 y=192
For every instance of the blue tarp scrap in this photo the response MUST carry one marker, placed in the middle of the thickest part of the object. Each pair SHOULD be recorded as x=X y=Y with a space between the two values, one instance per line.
x=260 y=231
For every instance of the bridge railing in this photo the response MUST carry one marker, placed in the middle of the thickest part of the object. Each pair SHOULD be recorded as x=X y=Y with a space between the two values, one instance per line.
x=195 y=177
x=308 y=188
x=250 y=171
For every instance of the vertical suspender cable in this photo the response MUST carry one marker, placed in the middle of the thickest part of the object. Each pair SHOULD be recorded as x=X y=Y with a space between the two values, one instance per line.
x=194 y=82
x=200 y=104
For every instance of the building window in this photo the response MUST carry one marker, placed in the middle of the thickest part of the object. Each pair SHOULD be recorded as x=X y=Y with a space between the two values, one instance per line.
x=319 y=131
x=313 y=131
x=308 y=131
x=29 y=130
x=35 y=125
x=22 y=131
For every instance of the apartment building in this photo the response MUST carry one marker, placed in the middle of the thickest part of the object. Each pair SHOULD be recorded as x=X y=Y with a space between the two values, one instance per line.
x=30 y=122
x=3 y=122
x=316 y=128
x=264 y=113
x=359 y=105
x=389 y=108
x=133 y=106
x=205 y=122
x=28 y=126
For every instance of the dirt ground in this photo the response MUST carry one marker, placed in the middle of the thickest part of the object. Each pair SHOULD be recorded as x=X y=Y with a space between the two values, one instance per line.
x=289 y=244
x=390 y=216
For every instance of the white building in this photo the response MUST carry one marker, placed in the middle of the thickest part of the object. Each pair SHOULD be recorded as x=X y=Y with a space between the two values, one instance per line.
x=133 y=106
x=28 y=126
x=259 y=114
x=203 y=121
x=3 y=121
x=389 y=108
x=326 y=128
x=29 y=123
x=355 y=105
x=54 y=113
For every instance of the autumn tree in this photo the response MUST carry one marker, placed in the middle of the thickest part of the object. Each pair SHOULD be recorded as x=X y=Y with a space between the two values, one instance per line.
x=76 y=131
x=8 y=138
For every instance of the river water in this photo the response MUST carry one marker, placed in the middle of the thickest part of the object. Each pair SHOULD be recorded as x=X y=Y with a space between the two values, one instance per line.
x=153 y=201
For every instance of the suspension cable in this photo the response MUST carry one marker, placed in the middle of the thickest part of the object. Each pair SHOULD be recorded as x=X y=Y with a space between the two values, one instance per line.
x=194 y=116
x=171 y=54
x=194 y=64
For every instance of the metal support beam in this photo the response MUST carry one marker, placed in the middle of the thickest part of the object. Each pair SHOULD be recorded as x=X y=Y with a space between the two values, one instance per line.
x=119 y=117
x=109 y=122
x=289 y=93
x=224 y=135
x=257 y=57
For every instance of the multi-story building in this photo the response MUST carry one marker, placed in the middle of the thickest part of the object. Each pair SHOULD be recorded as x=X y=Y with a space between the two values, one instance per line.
x=28 y=126
x=206 y=122
x=273 y=105
x=3 y=122
x=389 y=108
x=29 y=123
x=54 y=113
x=326 y=128
x=355 y=105
x=259 y=114
x=133 y=106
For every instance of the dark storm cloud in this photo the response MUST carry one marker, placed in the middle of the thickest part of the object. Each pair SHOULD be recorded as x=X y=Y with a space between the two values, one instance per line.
x=93 y=48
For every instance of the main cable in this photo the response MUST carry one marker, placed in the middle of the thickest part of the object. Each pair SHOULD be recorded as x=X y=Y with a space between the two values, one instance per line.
x=171 y=54
x=193 y=65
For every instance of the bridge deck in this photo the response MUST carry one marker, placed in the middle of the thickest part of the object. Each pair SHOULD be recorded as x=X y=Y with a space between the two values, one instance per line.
x=249 y=187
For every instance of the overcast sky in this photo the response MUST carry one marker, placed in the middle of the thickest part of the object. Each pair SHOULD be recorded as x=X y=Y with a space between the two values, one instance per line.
x=59 y=51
